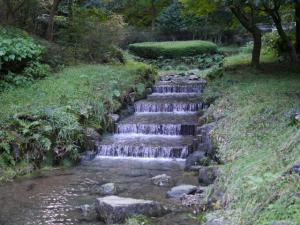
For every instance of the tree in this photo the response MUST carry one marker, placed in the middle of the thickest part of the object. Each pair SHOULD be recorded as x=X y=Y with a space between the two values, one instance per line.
x=11 y=8
x=272 y=8
x=247 y=14
x=297 y=18
x=50 y=28
x=141 y=13
x=171 y=21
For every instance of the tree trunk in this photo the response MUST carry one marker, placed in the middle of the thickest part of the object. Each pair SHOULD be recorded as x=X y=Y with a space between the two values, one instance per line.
x=250 y=25
x=297 y=12
x=50 y=28
x=153 y=13
x=256 y=48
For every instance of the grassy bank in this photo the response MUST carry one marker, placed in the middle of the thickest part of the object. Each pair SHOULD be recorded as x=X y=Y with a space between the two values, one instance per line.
x=257 y=142
x=45 y=123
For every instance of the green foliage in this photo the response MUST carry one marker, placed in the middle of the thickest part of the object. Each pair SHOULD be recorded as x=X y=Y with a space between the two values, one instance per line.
x=36 y=70
x=92 y=36
x=20 y=59
x=272 y=44
x=44 y=123
x=171 y=21
x=16 y=52
x=174 y=49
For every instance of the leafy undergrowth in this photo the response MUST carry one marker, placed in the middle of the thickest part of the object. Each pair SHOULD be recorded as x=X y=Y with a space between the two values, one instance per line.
x=44 y=124
x=258 y=143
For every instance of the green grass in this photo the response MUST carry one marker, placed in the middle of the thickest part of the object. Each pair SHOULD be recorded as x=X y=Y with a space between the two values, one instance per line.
x=258 y=143
x=172 y=49
x=76 y=86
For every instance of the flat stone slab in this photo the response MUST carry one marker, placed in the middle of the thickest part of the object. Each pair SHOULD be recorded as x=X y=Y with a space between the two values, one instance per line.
x=179 y=191
x=114 y=209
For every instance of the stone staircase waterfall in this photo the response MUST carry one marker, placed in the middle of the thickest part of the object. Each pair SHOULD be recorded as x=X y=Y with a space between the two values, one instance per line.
x=163 y=125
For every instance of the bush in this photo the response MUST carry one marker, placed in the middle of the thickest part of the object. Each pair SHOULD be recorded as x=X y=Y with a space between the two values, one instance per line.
x=15 y=53
x=172 y=49
x=272 y=44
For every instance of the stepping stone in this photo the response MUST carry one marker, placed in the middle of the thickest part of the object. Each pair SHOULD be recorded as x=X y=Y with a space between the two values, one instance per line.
x=114 y=209
x=179 y=191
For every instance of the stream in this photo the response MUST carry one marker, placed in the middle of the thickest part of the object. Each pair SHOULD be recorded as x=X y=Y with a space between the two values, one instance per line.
x=155 y=140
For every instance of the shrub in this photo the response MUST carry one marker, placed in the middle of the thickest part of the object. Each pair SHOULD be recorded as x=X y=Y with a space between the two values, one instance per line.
x=172 y=49
x=15 y=53
x=272 y=44
x=37 y=70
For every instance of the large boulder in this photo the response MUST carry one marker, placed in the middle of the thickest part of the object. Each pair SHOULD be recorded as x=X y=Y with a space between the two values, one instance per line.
x=194 y=159
x=207 y=175
x=181 y=190
x=114 y=209
x=161 y=180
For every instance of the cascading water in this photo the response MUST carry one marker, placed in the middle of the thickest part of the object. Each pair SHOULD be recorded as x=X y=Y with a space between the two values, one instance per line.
x=163 y=125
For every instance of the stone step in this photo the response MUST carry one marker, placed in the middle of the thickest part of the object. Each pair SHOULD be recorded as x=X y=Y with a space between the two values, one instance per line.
x=159 y=123
x=179 y=97
x=177 y=88
x=146 y=146
x=168 y=105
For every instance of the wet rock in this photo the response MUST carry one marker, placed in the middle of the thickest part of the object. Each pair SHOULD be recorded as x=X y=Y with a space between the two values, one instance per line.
x=195 y=168
x=132 y=96
x=217 y=222
x=114 y=117
x=85 y=209
x=87 y=212
x=193 y=77
x=88 y=156
x=197 y=200
x=207 y=175
x=93 y=138
x=161 y=180
x=194 y=159
x=296 y=118
x=108 y=189
x=179 y=191
x=165 y=78
x=295 y=168
x=193 y=72
x=114 y=209
x=148 y=91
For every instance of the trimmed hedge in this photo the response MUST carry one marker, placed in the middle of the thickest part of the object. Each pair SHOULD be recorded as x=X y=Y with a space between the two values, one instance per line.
x=172 y=49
